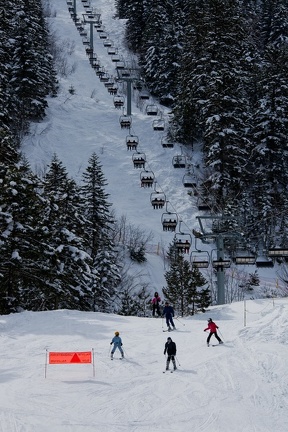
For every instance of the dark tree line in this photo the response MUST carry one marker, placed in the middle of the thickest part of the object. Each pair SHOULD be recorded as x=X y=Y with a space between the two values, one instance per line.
x=222 y=67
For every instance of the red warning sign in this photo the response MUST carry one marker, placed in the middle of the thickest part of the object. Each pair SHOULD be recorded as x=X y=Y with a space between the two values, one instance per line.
x=70 y=357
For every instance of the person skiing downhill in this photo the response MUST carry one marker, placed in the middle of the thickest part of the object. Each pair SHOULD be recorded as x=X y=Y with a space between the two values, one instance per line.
x=117 y=341
x=213 y=331
x=168 y=312
x=155 y=304
x=170 y=348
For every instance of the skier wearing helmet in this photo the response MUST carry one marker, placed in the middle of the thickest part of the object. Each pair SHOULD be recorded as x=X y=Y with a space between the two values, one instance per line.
x=117 y=341
x=213 y=331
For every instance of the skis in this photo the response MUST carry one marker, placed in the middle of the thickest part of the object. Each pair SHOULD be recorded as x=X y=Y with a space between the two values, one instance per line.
x=168 y=371
x=169 y=330
x=213 y=345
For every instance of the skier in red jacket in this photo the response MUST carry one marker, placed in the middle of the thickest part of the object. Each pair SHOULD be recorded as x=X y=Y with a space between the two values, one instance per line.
x=213 y=331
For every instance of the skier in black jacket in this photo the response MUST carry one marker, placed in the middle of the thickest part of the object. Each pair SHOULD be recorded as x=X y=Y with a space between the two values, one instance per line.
x=168 y=312
x=170 y=348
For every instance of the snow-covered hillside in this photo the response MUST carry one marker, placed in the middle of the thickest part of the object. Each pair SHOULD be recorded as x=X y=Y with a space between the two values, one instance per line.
x=86 y=121
x=239 y=386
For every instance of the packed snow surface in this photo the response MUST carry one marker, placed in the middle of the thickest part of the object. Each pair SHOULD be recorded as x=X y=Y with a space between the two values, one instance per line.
x=240 y=386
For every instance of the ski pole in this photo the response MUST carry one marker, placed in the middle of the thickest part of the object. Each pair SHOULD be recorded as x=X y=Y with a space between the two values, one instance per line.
x=177 y=361
x=220 y=334
x=179 y=321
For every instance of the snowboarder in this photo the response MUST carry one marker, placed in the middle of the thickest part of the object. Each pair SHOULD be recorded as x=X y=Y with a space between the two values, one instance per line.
x=170 y=348
x=117 y=341
x=155 y=304
x=213 y=331
x=168 y=312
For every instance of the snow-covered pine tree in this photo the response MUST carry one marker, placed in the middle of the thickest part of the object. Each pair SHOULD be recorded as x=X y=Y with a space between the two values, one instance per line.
x=135 y=25
x=98 y=234
x=69 y=277
x=270 y=124
x=156 y=22
x=21 y=238
x=8 y=148
x=31 y=76
x=182 y=285
x=122 y=7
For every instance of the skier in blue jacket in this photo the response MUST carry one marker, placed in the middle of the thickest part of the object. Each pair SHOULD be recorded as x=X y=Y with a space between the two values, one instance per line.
x=117 y=341
x=168 y=312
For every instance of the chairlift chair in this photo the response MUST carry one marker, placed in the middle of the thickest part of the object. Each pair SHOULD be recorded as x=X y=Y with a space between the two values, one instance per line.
x=138 y=85
x=264 y=263
x=110 y=82
x=139 y=160
x=182 y=242
x=111 y=50
x=158 y=200
x=103 y=35
x=179 y=161
x=115 y=57
x=125 y=73
x=89 y=51
x=120 y=64
x=113 y=89
x=169 y=221
x=221 y=263
x=85 y=41
x=144 y=94
x=189 y=180
x=104 y=77
x=200 y=259
x=125 y=121
x=158 y=125
x=244 y=259
x=203 y=205
x=147 y=178
x=107 y=43
x=132 y=142
x=118 y=101
x=166 y=143
x=151 y=110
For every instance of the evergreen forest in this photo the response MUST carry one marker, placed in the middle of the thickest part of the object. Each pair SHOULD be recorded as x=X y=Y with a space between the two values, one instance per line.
x=221 y=66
